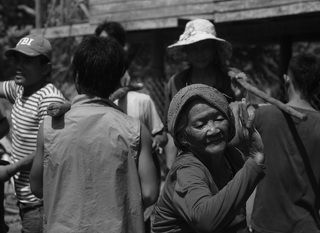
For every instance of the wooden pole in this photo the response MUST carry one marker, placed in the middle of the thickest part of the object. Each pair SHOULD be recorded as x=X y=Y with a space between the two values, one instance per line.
x=38 y=14
x=240 y=77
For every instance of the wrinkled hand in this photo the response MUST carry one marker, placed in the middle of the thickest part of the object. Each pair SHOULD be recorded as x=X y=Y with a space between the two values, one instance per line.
x=238 y=90
x=244 y=117
x=246 y=134
x=58 y=109
x=4 y=173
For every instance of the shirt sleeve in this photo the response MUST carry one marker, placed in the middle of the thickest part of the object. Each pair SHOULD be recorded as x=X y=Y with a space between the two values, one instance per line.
x=211 y=212
x=47 y=100
x=10 y=89
x=152 y=117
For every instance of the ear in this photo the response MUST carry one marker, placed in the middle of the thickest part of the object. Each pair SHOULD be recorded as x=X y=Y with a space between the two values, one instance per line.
x=76 y=82
x=47 y=68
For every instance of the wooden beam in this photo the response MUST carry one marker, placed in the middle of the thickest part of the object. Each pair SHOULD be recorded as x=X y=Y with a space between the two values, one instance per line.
x=87 y=29
x=66 y=31
x=164 y=8
x=167 y=17
x=38 y=14
x=259 y=13
x=154 y=13
x=145 y=5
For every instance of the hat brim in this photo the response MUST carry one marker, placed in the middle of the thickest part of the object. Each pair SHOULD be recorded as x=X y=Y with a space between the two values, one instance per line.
x=225 y=48
x=14 y=51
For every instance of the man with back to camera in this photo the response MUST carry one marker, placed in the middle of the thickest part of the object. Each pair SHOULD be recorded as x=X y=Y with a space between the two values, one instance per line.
x=30 y=93
x=93 y=165
x=285 y=200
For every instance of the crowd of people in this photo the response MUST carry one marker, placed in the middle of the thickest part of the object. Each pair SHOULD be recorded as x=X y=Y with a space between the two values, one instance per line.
x=90 y=164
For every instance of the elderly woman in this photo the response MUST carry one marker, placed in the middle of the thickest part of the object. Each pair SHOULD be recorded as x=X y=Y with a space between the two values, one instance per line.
x=205 y=191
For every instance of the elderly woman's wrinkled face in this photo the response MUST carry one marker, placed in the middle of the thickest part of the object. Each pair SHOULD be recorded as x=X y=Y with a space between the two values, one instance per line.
x=207 y=129
x=201 y=54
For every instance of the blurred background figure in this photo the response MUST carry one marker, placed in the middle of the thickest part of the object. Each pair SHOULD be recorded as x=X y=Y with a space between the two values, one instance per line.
x=105 y=173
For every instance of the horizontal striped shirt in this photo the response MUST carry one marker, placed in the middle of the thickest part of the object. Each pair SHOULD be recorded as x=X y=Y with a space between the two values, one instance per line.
x=27 y=114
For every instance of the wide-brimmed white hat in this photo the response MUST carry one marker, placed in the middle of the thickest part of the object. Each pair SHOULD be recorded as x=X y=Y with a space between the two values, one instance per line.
x=201 y=29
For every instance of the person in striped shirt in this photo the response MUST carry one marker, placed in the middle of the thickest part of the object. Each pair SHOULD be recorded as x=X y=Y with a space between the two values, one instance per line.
x=30 y=93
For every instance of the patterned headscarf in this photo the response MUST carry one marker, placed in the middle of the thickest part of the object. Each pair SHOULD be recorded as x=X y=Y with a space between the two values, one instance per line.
x=211 y=95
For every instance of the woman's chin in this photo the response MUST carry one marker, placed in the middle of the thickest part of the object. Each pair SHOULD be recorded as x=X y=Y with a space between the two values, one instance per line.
x=213 y=149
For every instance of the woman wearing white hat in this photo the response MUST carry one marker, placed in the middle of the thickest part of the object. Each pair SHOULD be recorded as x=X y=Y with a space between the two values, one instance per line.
x=208 y=56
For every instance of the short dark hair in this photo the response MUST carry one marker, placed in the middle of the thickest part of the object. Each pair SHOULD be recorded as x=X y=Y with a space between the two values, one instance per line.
x=98 y=65
x=114 y=30
x=305 y=69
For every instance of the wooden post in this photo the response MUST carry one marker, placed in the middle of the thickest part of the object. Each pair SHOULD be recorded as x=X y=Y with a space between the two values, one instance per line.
x=38 y=14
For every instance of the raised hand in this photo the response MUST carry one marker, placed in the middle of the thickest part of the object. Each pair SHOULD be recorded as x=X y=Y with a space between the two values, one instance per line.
x=247 y=137
x=57 y=109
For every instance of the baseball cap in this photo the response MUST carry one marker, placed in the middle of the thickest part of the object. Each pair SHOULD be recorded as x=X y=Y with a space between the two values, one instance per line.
x=32 y=45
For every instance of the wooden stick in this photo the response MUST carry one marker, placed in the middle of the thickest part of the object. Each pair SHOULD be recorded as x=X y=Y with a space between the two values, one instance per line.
x=241 y=77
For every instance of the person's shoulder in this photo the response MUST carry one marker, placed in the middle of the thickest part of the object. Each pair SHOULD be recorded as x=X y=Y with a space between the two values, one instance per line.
x=123 y=122
x=313 y=116
x=187 y=160
x=267 y=109
x=50 y=90
x=118 y=114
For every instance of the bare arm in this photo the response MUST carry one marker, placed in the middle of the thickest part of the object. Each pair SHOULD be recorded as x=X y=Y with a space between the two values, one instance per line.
x=147 y=170
x=36 y=175
x=10 y=170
